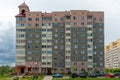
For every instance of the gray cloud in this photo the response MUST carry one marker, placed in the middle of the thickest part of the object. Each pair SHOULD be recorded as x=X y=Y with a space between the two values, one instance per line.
x=7 y=44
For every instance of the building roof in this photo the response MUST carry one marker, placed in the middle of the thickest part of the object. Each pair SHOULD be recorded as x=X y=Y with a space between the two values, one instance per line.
x=23 y=4
x=20 y=15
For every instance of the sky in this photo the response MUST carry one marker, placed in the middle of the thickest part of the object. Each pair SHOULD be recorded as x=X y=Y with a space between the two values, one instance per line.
x=9 y=8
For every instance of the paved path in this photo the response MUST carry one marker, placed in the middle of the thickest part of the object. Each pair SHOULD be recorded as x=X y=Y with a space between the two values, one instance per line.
x=48 y=78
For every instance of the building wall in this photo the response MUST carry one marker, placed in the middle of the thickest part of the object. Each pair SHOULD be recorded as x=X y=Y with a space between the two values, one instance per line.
x=112 y=55
x=61 y=41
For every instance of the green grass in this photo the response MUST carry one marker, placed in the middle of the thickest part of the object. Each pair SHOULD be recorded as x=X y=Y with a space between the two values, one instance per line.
x=87 y=79
x=25 y=78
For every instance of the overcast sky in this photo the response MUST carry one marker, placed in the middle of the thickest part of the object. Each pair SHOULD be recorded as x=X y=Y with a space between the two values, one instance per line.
x=9 y=8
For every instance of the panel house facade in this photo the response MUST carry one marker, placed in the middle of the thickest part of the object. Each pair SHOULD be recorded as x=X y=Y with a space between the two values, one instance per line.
x=60 y=41
x=112 y=55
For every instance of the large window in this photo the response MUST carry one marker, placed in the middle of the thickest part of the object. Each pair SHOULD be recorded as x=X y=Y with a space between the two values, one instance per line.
x=29 y=19
x=20 y=18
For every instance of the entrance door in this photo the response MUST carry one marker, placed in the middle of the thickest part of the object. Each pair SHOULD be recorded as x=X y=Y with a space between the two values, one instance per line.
x=22 y=70
x=49 y=71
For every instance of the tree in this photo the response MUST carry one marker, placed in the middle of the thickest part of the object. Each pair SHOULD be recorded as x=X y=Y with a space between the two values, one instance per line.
x=5 y=70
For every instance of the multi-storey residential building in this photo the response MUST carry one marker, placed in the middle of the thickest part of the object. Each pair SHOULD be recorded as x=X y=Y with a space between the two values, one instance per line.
x=112 y=55
x=59 y=42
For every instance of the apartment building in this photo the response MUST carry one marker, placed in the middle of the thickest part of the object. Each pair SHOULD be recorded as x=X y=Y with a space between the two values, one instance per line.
x=112 y=55
x=60 y=41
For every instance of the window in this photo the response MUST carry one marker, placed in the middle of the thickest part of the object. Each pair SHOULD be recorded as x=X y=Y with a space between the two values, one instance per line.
x=43 y=29
x=100 y=30
x=100 y=47
x=67 y=23
x=89 y=34
x=68 y=29
x=37 y=19
x=56 y=35
x=20 y=18
x=100 y=24
x=68 y=45
x=29 y=35
x=74 y=18
x=30 y=30
x=55 y=47
x=29 y=19
x=56 y=41
x=75 y=52
x=67 y=17
x=49 y=46
x=82 y=64
x=29 y=25
x=68 y=40
x=43 y=63
x=90 y=45
x=36 y=25
x=82 y=29
x=90 y=52
x=43 y=35
x=100 y=19
x=20 y=25
x=29 y=46
x=49 y=30
x=29 y=52
x=75 y=35
x=82 y=23
x=43 y=46
x=43 y=18
x=75 y=46
x=36 y=46
x=82 y=58
x=89 y=40
x=61 y=19
x=29 y=41
x=37 y=30
x=43 y=52
x=29 y=58
x=36 y=35
x=89 y=23
x=94 y=19
x=95 y=52
x=61 y=41
x=89 y=29
x=75 y=23
x=43 y=24
x=100 y=41
x=82 y=17
x=36 y=41
x=61 y=30
x=49 y=52
x=89 y=17
x=67 y=34
x=44 y=41
x=68 y=51
x=82 y=52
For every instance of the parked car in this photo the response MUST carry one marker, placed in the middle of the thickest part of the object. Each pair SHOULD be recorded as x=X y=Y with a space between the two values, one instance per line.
x=92 y=75
x=117 y=73
x=109 y=75
x=74 y=75
x=101 y=74
x=83 y=75
x=57 y=75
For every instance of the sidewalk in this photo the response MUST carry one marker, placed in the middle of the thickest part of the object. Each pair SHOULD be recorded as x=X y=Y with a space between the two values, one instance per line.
x=48 y=77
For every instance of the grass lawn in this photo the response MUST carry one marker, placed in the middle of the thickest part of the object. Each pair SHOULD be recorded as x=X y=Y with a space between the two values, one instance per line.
x=25 y=78
x=87 y=79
